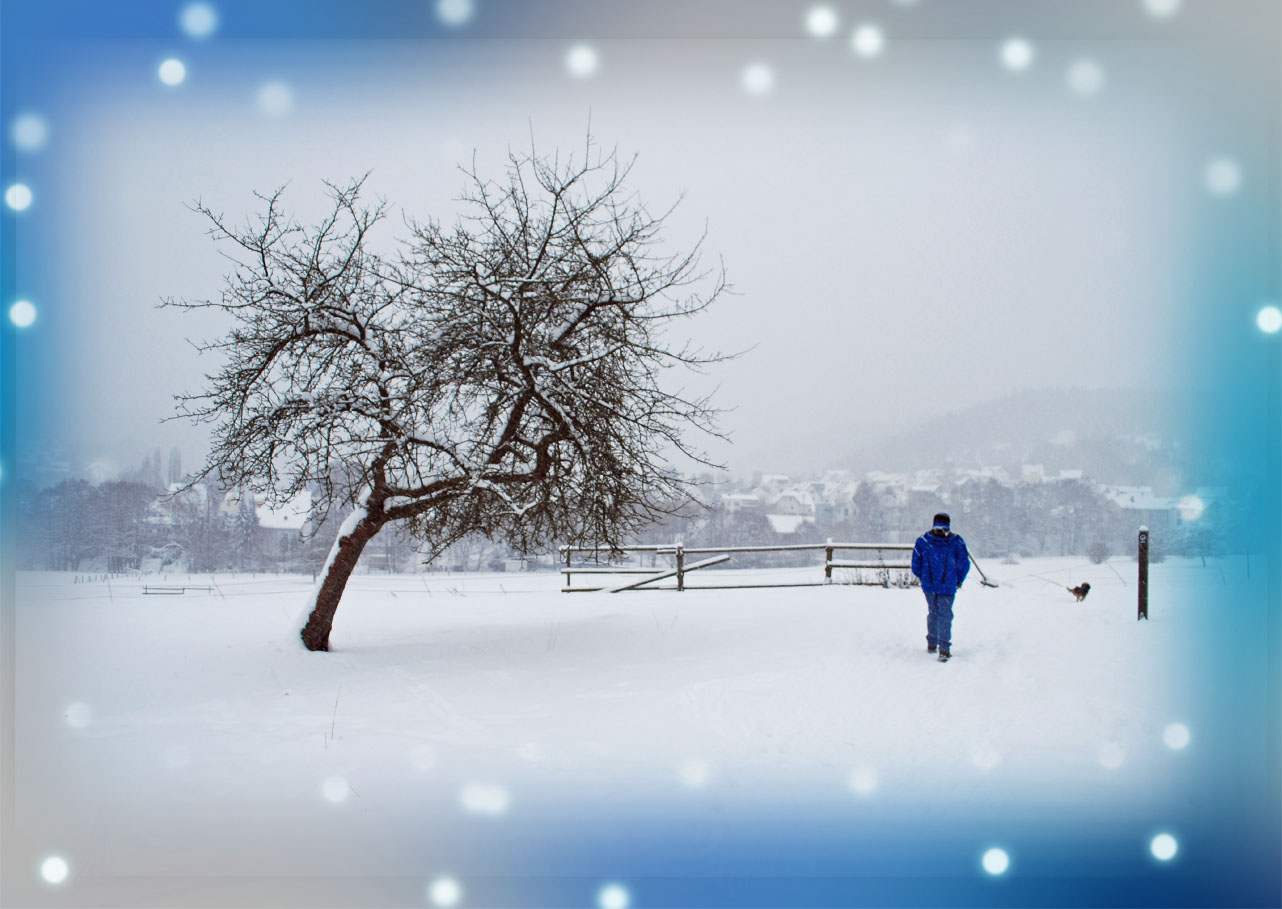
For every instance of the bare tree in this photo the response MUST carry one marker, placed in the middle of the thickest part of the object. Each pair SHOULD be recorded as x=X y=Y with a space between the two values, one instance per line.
x=506 y=375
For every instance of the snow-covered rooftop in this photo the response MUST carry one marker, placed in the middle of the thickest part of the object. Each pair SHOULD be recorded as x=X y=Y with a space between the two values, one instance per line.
x=1138 y=498
x=292 y=515
x=786 y=523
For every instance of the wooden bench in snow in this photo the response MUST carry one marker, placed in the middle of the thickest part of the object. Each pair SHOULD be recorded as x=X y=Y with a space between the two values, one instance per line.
x=153 y=590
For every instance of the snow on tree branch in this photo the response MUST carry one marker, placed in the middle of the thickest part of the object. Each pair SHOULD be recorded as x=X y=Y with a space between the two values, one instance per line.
x=504 y=374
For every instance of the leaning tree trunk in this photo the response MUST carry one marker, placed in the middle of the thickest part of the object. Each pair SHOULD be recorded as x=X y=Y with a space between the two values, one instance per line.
x=358 y=530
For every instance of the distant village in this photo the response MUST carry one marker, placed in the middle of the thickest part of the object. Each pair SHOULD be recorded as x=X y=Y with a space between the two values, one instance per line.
x=1033 y=513
x=150 y=520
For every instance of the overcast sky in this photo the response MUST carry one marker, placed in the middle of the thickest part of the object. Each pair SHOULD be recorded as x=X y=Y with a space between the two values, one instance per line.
x=912 y=223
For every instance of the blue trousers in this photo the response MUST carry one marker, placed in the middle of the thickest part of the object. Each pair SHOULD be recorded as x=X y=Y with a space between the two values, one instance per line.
x=939 y=620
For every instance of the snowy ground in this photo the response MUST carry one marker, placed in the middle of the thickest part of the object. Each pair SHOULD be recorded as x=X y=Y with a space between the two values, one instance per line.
x=150 y=728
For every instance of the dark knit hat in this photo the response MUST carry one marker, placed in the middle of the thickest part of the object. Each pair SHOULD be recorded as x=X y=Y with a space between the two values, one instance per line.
x=942 y=519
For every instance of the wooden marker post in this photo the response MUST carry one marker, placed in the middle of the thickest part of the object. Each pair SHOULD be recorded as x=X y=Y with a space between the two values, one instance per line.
x=1143 y=582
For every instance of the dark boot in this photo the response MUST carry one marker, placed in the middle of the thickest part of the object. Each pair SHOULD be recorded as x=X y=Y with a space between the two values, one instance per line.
x=944 y=656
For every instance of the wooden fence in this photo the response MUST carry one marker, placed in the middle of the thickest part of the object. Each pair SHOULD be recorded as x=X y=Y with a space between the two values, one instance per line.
x=869 y=558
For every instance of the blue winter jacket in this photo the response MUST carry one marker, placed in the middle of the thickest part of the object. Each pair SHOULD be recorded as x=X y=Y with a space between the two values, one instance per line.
x=941 y=562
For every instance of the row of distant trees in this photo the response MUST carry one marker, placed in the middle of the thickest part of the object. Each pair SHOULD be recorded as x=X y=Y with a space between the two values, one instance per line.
x=1069 y=518
x=134 y=522
x=120 y=525
x=125 y=524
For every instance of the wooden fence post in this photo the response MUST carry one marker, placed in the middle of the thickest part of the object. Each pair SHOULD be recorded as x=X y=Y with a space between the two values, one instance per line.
x=1143 y=583
x=681 y=567
x=828 y=562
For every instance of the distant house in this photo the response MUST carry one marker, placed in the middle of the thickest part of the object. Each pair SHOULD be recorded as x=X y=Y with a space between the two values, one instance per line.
x=838 y=502
x=983 y=474
x=229 y=507
x=1157 y=513
x=772 y=484
x=836 y=510
x=785 y=524
x=741 y=501
x=281 y=527
x=177 y=504
x=795 y=501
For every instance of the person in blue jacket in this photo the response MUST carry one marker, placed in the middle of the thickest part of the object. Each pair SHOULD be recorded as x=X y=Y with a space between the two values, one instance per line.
x=941 y=561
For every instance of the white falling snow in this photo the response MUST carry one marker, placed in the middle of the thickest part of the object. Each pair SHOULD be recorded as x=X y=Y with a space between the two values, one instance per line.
x=484 y=799
x=1176 y=736
x=582 y=61
x=1164 y=847
x=275 y=99
x=22 y=314
x=54 y=869
x=1269 y=319
x=172 y=72
x=863 y=781
x=996 y=861
x=1016 y=54
x=1190 y=508
x=1222 y=177
x=1162 y=9
x=445 y=892
x=868 y=41
x=821 y=21
x=198 y=20
x=19 y=197
x=29 y=132
x=758 y=79
x=454 y=12
x=613 y=896
x=1085 y=78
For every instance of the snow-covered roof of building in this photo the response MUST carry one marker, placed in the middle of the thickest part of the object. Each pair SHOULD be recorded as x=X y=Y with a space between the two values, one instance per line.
x=786 y=523
x=195 y=495
x=839 y=493
x=984 y=473
x=803 y=496
x=1138 y=498
x=292 y=515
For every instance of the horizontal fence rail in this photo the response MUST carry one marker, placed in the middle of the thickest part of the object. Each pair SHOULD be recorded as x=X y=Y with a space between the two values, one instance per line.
x=679 y=569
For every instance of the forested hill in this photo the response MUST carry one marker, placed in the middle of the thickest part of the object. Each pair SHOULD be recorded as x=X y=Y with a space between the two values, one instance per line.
x=1114 y=436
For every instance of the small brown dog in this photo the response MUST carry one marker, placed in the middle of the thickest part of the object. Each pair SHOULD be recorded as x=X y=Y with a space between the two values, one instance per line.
x=1080 y=591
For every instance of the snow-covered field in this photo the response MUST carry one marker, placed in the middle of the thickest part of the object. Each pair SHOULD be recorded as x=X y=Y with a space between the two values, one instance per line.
x=166 y=729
